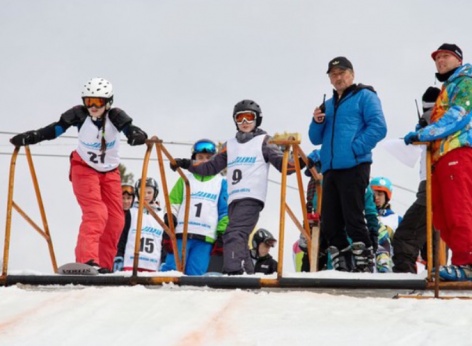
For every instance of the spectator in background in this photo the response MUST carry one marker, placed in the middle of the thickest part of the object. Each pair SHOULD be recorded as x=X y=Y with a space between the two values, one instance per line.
x=410 y=237
x=450 y=134
x=389 y=221
x=261 y=242
x=127 y=193
x=151 y=234
x=348 y=126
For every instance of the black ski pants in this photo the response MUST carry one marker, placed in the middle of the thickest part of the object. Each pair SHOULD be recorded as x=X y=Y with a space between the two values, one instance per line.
x=410 y=236
x=342 y=208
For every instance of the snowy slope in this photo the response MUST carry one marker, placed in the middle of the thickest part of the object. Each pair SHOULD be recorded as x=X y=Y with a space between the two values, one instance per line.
x=171 y=315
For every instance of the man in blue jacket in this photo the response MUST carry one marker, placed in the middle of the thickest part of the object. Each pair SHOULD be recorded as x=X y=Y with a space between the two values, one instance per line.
x=348 y=126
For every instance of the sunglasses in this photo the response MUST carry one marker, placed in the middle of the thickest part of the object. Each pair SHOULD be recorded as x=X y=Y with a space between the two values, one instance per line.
x=127 y=189
x=204 y=147
x=247 y=116
x=98 y=102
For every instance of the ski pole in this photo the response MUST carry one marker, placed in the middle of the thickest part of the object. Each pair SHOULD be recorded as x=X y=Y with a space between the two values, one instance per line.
x=421 y=121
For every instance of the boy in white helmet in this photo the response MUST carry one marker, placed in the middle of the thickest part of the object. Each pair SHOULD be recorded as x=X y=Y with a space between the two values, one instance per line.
x=247 y=157
x=94 y=168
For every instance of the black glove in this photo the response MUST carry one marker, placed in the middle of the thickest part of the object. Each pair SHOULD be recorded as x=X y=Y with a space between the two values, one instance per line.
x=310 y=164
x=166 y=220
x=374 y=239
x=136 y=136
x=26 y=138
x=217 y=249
x=182 y=163
x=301 y=162
x=422 y=122
x=167 y=243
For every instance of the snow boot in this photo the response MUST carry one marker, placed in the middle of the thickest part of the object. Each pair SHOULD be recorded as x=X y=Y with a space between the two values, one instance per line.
x=237 y=272
x=455 y=273
x=383 y=262
x=322 y=261
x=99 y=269
x=363 y=257
x=341 y=260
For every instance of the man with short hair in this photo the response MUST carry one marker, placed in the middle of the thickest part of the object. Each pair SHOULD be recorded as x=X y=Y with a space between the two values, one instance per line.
x=450 y=134
x=349 y=125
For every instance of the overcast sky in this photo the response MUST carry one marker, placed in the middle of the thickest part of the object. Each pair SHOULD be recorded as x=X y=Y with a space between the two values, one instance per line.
x=178 y=67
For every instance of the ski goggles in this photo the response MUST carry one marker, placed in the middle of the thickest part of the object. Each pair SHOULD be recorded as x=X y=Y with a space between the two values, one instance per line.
x=204 y=147
x=98 y=102
x=127 y=189
x=247 y=116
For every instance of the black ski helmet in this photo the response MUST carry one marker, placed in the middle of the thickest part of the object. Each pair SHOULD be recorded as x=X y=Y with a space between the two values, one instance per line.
x=250 y=106
x=261 y=236
x=204 y=146
x=150 y=182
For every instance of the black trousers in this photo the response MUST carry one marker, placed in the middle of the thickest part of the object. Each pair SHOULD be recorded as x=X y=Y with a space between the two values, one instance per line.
x=342 y=208
x=410 y=236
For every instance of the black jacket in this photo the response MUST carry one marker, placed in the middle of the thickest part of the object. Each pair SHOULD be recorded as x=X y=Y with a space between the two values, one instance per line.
x=266 y=265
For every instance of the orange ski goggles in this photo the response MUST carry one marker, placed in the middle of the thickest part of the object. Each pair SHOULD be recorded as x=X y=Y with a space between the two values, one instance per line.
x=127 y=189
x=247 y=116
x=98 y=102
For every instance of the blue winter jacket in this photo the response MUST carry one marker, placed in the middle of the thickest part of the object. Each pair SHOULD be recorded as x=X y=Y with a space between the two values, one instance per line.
x=352 y=128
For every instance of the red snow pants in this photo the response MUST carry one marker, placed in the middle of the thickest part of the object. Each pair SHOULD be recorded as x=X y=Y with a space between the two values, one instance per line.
x=99 y=197
x=452 y=202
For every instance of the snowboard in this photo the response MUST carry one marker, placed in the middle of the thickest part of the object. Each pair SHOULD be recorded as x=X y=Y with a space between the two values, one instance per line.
x=74 y=268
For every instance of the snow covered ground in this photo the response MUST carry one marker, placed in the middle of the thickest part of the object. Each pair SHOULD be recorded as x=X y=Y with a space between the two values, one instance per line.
x=178 y=68
x=173 y=315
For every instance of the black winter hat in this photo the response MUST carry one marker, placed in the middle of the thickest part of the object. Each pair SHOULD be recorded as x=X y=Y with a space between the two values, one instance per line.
x=449 y=48
x=340 y=62
x=429 y=98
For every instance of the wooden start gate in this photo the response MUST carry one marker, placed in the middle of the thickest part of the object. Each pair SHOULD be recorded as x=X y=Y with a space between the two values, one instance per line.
x=290 y=143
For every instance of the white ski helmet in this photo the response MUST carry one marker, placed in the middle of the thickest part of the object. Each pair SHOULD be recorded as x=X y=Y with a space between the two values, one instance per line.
x=99 y=87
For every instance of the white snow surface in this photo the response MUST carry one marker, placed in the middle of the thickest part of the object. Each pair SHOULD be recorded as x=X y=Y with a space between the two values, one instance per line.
x=180 y=315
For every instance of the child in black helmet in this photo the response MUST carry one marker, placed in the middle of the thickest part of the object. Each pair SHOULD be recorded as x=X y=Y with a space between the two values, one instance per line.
x=247 y=158
x=410 y=236
x=262 y=241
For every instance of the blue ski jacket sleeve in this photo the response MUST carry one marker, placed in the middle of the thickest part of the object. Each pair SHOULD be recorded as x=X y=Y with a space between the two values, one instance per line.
x=352 y=128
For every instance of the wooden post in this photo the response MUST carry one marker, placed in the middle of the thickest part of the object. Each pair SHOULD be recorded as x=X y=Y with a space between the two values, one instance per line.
x=12 y=205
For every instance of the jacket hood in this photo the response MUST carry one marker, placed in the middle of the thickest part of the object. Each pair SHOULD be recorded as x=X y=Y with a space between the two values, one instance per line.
x=353 y=89
x=361 y=86
x=461 y=71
